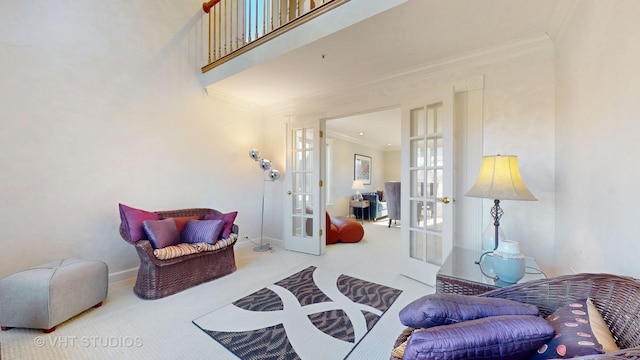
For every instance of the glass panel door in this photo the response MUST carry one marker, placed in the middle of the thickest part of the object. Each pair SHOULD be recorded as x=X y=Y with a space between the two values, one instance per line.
x=428 y=172
x=302 y=229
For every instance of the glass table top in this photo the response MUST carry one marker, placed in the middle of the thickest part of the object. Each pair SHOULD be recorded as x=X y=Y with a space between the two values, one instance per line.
x=462 y=264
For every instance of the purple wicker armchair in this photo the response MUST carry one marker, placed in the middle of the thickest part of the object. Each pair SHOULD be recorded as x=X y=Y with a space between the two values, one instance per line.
x=616 y=297
x=159 y=278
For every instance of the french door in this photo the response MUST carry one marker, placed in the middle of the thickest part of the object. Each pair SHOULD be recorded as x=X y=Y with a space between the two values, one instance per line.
x=427 y=184
x=305 y=223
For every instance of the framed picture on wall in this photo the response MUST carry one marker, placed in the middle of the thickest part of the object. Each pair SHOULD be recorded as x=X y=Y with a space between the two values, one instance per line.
x=362 y=168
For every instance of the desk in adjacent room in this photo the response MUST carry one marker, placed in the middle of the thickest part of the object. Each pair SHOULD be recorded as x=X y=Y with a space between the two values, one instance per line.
x=359 y=204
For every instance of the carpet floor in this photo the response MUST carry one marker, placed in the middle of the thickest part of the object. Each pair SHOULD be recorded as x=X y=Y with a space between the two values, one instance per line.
x=126 y=327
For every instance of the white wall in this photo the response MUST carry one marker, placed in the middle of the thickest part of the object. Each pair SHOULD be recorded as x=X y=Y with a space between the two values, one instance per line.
x=392 y=164
x=598 y=139
x=273 y=148
x=519 y=120
x=100 y=104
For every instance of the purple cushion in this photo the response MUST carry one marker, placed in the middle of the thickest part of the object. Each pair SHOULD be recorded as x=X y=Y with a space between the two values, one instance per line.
x=132 y=222
x=573 y=334
x=202 y=231
x=161 y=233
x=228 y=222
x=504 y=337
x=441 y=309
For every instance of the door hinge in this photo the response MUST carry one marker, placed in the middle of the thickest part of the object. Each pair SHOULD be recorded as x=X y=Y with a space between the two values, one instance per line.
x=321 y=183
x=321 y=133
x=320 y=232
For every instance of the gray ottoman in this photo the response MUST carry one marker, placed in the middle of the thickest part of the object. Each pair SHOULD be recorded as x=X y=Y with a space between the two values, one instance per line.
x=46 y=295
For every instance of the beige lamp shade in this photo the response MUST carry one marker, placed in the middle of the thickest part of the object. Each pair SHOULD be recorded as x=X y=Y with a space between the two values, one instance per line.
x=357 y=185
x=499 y=178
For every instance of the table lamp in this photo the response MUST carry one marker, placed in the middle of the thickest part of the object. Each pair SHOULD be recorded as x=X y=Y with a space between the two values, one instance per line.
x=357 y=186
x=499 y=179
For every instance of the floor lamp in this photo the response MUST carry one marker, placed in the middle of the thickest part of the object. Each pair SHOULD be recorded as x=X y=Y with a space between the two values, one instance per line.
x=269 y=174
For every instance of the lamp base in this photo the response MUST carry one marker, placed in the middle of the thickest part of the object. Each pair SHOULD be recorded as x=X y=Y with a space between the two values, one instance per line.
x=261 y=248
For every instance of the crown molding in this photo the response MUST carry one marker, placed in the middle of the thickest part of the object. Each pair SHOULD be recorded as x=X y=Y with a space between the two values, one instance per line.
x=516 y=48
x=562 y=14
x=392 y=86
x=235 y=102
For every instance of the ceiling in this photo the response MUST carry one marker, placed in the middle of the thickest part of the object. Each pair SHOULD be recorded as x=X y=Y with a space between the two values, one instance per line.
x=379 y=130
x=410 y=35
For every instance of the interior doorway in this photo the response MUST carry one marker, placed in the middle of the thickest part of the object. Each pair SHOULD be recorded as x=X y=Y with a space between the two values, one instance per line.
x=373 y=135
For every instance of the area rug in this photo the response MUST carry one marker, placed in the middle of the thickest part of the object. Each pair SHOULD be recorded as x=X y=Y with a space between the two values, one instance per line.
x=312 y=314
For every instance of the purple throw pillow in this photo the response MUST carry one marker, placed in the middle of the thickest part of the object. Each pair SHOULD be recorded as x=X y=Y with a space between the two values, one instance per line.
x=441 y=309
x=161 y=233
x=228 y=219
x=573 y=334
x=202 y=231
x=132 y=222
x=495 y=337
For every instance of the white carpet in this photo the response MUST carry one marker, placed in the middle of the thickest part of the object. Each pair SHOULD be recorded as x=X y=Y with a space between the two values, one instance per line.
x=126 y=327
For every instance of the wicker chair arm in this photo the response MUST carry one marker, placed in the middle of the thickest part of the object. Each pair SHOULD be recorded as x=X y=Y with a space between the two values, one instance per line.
x=145 y=251
x=617 y=298
x=631 y=353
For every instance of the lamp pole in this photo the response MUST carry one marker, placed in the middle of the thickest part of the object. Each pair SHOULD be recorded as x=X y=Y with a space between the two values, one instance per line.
x=496 y=213
x=262 y=247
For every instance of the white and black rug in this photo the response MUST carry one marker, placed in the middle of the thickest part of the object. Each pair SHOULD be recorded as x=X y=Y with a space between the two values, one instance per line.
x=312 y=314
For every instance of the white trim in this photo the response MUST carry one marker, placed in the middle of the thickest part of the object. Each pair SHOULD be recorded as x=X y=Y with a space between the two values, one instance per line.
x=392 y=87
x=562 y=13
x=235 y=102
x=123 y=275
x=468 y=158
x=408 y=80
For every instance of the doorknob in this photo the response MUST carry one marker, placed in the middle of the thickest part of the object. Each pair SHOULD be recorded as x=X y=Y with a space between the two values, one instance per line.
x=289 y=192
x=445 y=200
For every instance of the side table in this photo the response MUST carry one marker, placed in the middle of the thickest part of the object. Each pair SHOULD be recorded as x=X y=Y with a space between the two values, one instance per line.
x=461 y=275
x=361 y=205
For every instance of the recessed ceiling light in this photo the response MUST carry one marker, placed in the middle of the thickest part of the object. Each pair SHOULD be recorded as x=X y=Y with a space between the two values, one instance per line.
x=388 y=144
x=361 y=133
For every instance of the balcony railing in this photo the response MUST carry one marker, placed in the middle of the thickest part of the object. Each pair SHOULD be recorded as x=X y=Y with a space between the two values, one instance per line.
x=237 y=26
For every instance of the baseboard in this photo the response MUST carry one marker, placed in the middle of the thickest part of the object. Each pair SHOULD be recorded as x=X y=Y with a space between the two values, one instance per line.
x=243 y=243
x=123 y=275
